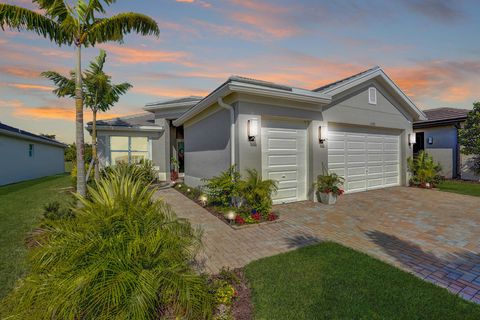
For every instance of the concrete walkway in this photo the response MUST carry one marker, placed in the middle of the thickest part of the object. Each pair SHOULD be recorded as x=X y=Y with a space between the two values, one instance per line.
x=433 y=234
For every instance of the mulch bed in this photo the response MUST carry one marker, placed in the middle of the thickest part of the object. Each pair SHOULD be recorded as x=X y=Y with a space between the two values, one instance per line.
x=242 y=307
x=220 y=215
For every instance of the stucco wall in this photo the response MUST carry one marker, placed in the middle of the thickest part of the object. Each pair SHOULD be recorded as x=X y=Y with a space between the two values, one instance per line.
x=207 y=146
x=16 y=165
x=352 y=108
x=443 y=148
x=157 y=152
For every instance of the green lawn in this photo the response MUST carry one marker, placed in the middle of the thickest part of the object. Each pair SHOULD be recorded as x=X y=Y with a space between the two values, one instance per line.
x=329 y=281
x=463 y=187
x=21 y=206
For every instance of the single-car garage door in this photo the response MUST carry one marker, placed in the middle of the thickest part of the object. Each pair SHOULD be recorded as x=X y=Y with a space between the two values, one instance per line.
x=284 y=145
x=366 y=161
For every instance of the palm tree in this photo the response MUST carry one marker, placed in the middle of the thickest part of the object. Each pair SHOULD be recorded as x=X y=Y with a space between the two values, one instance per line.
x=77 y=24
x=99 y=93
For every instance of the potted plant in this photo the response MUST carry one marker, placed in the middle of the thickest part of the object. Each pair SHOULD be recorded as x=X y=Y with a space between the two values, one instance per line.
x=174 y=167
x=329 y=187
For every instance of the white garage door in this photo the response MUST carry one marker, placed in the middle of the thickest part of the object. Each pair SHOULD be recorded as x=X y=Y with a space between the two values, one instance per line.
x=284 y=145
x=366 y=161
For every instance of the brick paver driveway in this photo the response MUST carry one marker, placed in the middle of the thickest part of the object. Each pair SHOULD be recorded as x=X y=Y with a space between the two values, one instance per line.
x=433 y=234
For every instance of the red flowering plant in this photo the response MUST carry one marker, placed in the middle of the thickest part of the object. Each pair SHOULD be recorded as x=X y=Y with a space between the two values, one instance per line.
x=330 y=182
x=256 y=216
x=272 y=216
x=239 y=220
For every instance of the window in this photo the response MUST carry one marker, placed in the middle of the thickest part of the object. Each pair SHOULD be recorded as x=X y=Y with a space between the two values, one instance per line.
x=128 y=149
x=30 y=150
x=372 y=95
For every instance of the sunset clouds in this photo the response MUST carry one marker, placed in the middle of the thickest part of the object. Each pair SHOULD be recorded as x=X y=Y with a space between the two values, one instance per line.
x=428 y=47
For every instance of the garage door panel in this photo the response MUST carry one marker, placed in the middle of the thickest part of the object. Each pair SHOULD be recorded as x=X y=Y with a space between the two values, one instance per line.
x=284 y=158
x=336 y=145
x=367 y=161
x=282 y=144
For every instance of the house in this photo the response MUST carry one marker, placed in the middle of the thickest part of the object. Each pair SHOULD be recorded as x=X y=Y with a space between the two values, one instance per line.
x=25 y=155
x=359 y=127
x=438 y=136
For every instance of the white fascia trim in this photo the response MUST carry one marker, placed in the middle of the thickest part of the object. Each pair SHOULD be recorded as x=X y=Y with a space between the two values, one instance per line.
x=370 y=75
x=178 y=105
x=311 y=97
x=139 y=128
x=34 y=139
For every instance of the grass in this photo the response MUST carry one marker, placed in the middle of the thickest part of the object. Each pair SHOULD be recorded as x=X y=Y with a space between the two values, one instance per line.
x=329 y=281
x=462 y=187
x=21 y=208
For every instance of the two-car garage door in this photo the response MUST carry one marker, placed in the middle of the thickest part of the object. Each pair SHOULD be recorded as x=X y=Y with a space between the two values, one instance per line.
x=366 y=161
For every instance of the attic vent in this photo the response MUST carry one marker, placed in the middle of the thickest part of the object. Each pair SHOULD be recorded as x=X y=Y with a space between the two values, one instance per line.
x=372 y=95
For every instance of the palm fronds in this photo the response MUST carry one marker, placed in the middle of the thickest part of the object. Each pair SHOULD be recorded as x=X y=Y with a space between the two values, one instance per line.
x=115 y=27
x=123 y=256
x=20 y=19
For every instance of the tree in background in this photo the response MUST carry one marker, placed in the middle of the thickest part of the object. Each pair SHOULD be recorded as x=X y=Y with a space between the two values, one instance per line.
x=98 y=91
x=66 y=24
x=469 y=136
x=71 y=153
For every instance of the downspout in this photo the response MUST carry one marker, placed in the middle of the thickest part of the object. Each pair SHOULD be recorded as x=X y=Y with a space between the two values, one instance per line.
x=224 y=105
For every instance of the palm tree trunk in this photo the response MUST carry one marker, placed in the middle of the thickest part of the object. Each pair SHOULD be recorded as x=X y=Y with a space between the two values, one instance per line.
x=81 y=185
x=94 y=145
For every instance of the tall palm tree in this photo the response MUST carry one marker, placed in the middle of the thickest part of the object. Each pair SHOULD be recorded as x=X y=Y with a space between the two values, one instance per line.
x=99 y=93
x=77 y=24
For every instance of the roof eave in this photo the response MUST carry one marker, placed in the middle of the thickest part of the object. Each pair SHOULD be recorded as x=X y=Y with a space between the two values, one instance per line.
x=373 y=74
x=440 y=122
x=39 y=140
x=238 y=87
x=127 y=128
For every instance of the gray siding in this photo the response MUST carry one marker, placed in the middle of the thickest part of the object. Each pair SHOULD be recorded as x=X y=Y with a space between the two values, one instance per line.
x=16 y=165
x=443 y=149
x=207 y=147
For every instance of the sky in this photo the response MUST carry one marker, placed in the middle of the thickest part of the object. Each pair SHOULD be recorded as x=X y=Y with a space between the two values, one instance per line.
x=430 y=48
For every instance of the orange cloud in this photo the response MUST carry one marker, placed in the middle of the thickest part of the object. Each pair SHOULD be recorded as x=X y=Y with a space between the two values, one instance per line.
x=169 y=92
x=130 y=55
x=20 y=72
x=27 y=86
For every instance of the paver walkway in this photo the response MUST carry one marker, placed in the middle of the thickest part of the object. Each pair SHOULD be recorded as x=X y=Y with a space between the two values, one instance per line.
x=433 y=234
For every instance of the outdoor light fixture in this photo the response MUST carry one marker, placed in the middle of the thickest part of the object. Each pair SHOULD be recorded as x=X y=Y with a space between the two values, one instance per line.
x=412 y=139
x=252 y=128
x=230 y=215
x=322 y=134
x=203 y=200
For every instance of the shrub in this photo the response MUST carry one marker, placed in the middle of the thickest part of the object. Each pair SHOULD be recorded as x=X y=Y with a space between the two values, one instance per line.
x=424 y=170
x=54 y=211
x=124 y=256
x=223 y=188
x=257 y=192
x=329 y=182
x=144 y=171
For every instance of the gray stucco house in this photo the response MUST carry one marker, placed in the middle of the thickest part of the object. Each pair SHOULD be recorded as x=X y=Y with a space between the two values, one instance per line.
x=438 y=136
x=359 y=127
x=26 y=156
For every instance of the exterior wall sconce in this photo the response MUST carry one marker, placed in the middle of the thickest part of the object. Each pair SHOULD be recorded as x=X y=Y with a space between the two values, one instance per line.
x=412 y=138
x=322 y=134
x=252 y=129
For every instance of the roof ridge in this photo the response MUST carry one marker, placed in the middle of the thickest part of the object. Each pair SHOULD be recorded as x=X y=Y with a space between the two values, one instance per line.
x=328 y=85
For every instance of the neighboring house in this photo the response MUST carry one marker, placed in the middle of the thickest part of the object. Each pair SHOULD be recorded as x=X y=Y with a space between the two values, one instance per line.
x=438 y=136
x=25 y=155
x=358 y=127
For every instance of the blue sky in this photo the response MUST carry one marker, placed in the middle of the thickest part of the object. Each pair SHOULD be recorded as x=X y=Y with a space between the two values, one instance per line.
x=430 y=48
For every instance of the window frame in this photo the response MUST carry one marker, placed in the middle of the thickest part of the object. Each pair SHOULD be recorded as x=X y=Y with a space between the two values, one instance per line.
x=372 y=95
x=31 y=150
x=129 y=149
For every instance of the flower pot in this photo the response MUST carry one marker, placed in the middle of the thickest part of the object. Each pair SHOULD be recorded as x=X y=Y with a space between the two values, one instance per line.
x=327 y=198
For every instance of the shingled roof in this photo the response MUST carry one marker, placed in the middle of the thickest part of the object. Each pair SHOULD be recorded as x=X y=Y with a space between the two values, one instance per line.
x=445 y=115
x=12 y=131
